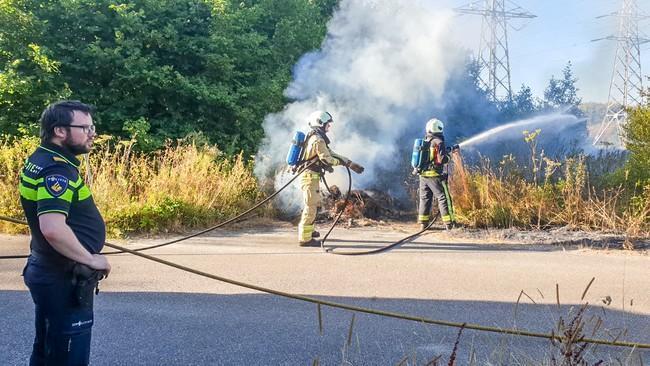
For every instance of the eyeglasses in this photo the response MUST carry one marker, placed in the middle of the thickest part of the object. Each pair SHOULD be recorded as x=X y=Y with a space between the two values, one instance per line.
x=87 y=129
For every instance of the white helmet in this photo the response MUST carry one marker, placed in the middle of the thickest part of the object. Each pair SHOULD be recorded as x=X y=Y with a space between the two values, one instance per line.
x=434 y=125
x=319 y=119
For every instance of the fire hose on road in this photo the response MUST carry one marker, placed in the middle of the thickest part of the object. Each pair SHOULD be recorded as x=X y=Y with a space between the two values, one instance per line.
x=388 y=314
x=242 y=216
x=367 y=252
x=478 y=327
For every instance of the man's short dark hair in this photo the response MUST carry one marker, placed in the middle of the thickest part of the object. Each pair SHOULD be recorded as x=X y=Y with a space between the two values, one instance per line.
x=60 y=114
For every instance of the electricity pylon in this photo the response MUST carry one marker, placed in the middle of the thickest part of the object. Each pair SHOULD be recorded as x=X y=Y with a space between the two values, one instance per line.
x=626 y=85
x=493 y=56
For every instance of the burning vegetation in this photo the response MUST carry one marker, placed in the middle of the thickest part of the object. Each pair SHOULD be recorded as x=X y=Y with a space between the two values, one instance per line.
x=363 y=204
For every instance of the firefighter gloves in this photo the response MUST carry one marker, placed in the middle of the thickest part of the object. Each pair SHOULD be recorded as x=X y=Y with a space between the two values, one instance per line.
x=356 y=168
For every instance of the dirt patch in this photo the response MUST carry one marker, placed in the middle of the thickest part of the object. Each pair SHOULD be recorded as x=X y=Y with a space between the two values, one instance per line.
x=558 y=236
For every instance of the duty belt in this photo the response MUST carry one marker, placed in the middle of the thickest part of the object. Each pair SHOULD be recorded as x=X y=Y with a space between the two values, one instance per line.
x=52 y=261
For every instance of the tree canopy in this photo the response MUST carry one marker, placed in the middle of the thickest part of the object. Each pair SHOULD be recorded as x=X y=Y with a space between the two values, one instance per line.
x=165 y=67
x=159 y=69
x=562 y=93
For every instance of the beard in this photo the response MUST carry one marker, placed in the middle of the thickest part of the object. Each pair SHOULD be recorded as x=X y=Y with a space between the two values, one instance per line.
x=75 y=149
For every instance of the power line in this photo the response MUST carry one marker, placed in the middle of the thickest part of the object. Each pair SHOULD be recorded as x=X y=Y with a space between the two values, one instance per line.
x=493 y=57
x=626 y=85
x=550 y=49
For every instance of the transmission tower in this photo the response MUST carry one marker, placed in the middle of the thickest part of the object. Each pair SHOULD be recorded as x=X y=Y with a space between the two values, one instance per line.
x=626 y=86
x=493 y=57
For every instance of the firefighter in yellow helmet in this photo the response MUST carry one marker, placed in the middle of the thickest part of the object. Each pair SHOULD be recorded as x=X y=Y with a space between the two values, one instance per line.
x=433 y=178
x=317 y=145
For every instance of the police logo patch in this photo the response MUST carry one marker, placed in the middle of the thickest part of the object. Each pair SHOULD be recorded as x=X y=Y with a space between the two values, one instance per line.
x=56 y=184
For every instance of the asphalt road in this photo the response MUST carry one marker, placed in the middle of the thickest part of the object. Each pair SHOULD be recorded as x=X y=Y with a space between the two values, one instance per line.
x=149 y=314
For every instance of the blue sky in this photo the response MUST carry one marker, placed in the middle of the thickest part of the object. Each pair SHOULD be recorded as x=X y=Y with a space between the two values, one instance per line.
x=562 y=32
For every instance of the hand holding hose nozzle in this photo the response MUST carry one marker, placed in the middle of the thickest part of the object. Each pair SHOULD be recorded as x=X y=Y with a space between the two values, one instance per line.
x=453 y=149
x=355 y=167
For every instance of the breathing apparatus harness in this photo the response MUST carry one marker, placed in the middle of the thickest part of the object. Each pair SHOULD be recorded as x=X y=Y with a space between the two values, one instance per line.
x=320 y=166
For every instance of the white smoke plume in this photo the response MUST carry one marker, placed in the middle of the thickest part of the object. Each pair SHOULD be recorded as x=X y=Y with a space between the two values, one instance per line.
x=380 y=72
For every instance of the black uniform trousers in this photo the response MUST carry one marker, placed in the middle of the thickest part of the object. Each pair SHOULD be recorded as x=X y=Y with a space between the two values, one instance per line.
x=63 y=325
x=435 y=187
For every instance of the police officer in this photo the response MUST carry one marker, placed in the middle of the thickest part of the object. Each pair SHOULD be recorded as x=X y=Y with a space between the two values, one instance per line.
x=433 y=178
x=317 y=146
x=67 y=234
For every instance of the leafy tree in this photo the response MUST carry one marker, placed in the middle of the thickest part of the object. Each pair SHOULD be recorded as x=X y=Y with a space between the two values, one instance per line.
x=173 y=66
x=263 y=40
x=145 y=59
x=521 y=106
x=637 y=138
x=524 y=102
x=563 y=93
x=28 y=74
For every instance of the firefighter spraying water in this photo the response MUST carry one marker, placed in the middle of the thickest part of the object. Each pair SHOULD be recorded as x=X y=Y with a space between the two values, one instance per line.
x=430 y=161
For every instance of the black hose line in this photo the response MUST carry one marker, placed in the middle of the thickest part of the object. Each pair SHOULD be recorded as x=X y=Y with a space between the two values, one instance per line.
x=256 y=206
x=515 y=332
x=229 y=221
x=366 y=252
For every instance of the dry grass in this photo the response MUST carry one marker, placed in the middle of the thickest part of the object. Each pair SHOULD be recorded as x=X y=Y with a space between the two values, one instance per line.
x=571 y=350
x=506 y=196
x=185 y=186
x=12 y=157
x=180 y=187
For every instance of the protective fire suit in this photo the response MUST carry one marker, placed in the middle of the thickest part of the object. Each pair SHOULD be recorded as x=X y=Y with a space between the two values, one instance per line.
x=433 y=183
x=316 y=145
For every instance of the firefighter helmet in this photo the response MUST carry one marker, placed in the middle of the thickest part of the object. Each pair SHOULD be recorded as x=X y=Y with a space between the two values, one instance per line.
x=319 y=119
x=434 y=125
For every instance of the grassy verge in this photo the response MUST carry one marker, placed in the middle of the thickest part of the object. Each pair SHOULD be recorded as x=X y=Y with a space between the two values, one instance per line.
x=185 y=186
x=179 y=187
x=549 y=194
x=12 y=156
